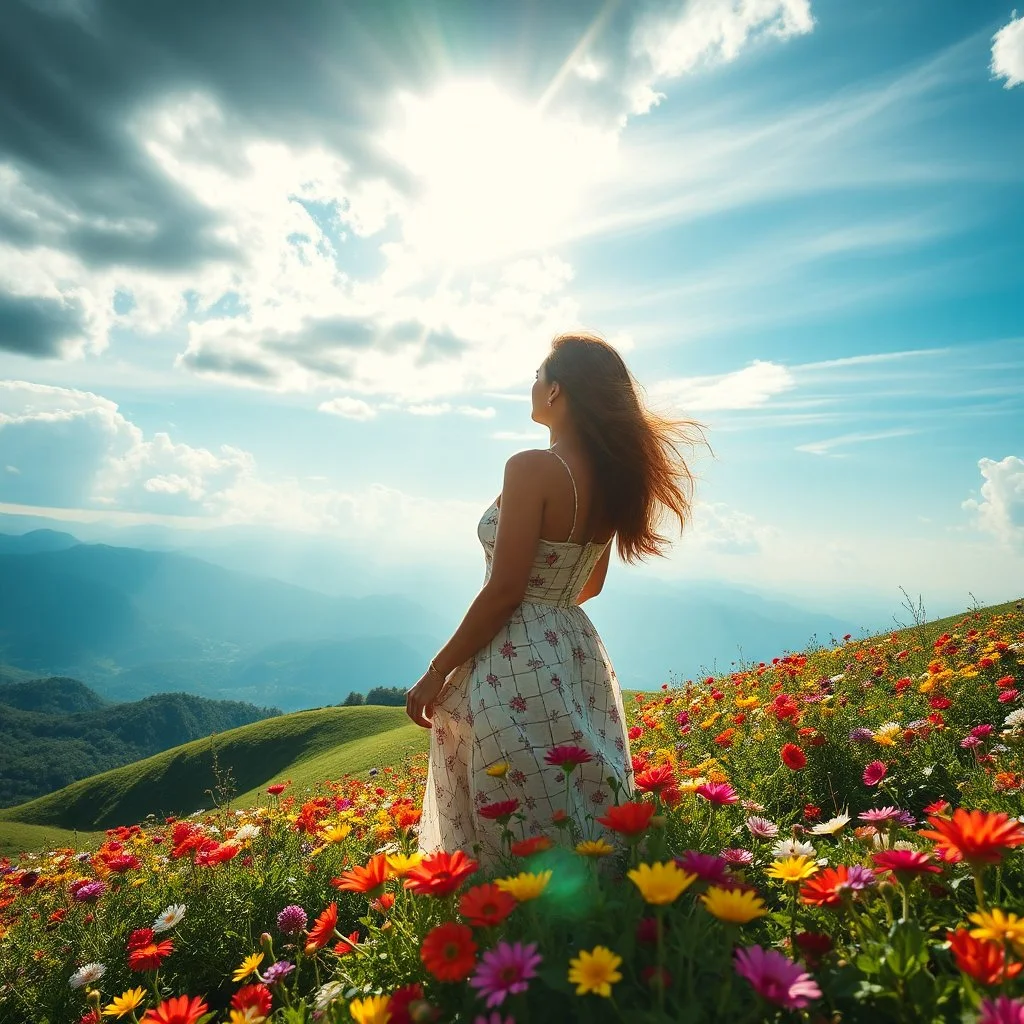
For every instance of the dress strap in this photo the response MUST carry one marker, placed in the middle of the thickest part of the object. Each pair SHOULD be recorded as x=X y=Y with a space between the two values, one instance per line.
x=575 y=505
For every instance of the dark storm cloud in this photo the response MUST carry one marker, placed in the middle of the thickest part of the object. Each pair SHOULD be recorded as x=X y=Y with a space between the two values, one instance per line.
x=36 y=326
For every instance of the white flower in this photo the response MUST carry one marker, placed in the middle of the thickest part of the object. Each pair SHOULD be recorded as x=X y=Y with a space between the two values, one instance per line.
x=247 y=832
x=838 y=679
x=327 y=994
x=168 y=918
x=902 y=844
x=87 y=975
x=1014 y=718
x=832 y=826
x=792 y=848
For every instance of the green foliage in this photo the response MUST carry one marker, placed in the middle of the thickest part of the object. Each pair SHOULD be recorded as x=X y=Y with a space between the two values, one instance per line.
x=389 y=696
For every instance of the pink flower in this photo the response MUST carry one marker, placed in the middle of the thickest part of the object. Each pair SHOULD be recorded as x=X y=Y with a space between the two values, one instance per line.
x=776 y=978
x=568 y=756
x=880 y=814
x=505 y=970
x=494 y=1018
x=1003 y=1010
x=706 y=866
x=1007 y=695
x=718 y=793
x=739 y=856
x=874 y=773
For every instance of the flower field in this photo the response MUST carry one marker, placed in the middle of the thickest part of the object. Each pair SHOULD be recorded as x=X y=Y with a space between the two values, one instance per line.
x=832 y=836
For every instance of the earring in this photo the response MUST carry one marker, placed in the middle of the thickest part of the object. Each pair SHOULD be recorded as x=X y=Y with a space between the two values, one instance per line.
x=549 y=401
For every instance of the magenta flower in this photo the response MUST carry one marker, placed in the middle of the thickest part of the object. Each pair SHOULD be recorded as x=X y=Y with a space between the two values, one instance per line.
x=706 y=866
x=717 y=793
x=568 y=756
x=874 y=773
x=1003 y=1010
x=878 y=815
x=292 y=920
x=87 y=892
x=494 y=1018
x=776 y=978
x=738 y=856
x=505 y=970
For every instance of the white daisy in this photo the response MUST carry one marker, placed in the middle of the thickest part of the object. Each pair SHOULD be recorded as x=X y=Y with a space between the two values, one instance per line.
x=792 y=848
x=1014 y=718
x=87 y=975
x=247 y=832
x=832 y=826
x=168 y=918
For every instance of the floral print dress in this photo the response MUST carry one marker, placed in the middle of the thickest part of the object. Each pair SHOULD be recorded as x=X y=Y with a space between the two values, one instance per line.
x=544 y=680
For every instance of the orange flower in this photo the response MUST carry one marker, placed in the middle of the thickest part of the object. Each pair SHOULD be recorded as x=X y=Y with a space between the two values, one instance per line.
x=345 y=946
x=486 y=905
x=440 y=873
x=148 y=956
x=322 y=930
x=984 y=961
x=369 y=880
x=978 y=837
x=630 y=818
x=253 y=997
x=179 y=1010
x=449 y=952
x=526 y=847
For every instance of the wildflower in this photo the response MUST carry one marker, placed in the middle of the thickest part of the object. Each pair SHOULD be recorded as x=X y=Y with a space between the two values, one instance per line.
x=440 y=873
x=292 y=920
x=89 y=974
x=277 y=788
x=874 y=773
x=525 y=886
x=528 y=847
x=371 y=1010
x=167 y=919
x=860 y=735
x=252 y=1003
x=568 y=757
x=407 y=1004
x=594 y=848
x=792 y=870
x=978 y=837
x=776 y=978
x=500 y=810
x=792 y=848
x=1014 y=719
x=247 y=832
x=996 y=926
x=654 y=780
x=277 y=972
x=631 y=818
x=595 y=971
x=1003 y=1010
x=325 y=996
x=449 y=952
x=719 y=793
x=706 y=866
x=505 y=970
x=904 y=864
x=322 y=930
x=832 y=826
x=499 y=770
x=485 y=906
x=737 y=906
x=983 y=961
x=336 y=833
x=127 y=1002
x=88 y=892
x=793 y=757
x=878 y=815
x=248 y=966
x=369 y=880
x=661 y=884
x=828 y=887
x=178 y=1010
x=761 y=828
x=145 y=953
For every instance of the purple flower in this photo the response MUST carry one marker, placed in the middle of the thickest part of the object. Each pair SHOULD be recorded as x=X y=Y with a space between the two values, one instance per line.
x=706 y=866
x=505 y=970
x=861 y=735
x=1003 y=1010
x=878 y=815
x=738 y=856
x=762 y=828
x=494 y=1018
x=277 y=971
x=776 y=978
x=859 y=877
x=292 y=920
x=89 y=892
x=906 y=819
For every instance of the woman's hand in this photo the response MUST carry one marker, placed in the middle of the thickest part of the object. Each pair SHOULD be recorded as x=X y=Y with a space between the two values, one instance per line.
x=419 y=700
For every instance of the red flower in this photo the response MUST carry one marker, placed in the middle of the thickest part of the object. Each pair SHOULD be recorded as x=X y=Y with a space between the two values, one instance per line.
x=904 y=864
x=485 y=906
x=383 y=903
x=629 y=818
x=148 y=956
x=793 y=757
x=874 y=773
x=345 y=945
x=984 y=961
x=323 y=928
x=400 y=1003
x=498 y=810
x=449 y=952
x=568 y=757
x=369 y=879
x=813 y=944
x=826 y=888
x=440 y=873
x=179 y=1010
x=978 y=837
x=526 y=847
x=939 y=807
x=256 y=997
x=654 y=780
x=277 y=788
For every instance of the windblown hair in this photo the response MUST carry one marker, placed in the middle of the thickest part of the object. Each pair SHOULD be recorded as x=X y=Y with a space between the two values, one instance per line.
x=639 y=473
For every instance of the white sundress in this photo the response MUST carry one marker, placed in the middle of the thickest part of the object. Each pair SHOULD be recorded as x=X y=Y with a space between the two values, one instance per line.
x=544 y=680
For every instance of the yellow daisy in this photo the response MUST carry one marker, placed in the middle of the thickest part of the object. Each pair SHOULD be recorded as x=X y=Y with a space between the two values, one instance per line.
x=595 y=971
x=247 y=966
x=792 y=870
x=997 y=926
x=525 y=886
x=371 y=1010
x=128 y=1002
x=401 y=863
x=594 y=848
x=737 y=906
x=497 y=771
x=661 y=883
x=335 y=833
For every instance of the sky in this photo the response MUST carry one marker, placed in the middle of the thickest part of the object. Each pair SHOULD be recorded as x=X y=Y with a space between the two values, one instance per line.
x=295 y=265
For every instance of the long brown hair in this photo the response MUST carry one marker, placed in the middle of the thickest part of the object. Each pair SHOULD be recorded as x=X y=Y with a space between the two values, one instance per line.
x=639 y=474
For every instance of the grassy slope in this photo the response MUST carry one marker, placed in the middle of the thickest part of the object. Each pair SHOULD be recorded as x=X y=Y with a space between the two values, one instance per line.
x=306 y=747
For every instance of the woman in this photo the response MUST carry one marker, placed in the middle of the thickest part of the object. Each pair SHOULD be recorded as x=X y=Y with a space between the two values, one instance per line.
x=526 y=671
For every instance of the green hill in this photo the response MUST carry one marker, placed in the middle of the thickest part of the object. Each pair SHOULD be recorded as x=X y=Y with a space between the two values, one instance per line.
x=306 y=747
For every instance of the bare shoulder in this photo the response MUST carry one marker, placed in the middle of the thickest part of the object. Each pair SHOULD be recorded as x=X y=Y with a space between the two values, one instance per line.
x=527 y=461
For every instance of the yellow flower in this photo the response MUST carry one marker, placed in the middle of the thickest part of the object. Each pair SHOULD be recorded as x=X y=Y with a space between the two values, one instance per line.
x=746 y=702
x=250 y=1015
x=661 y=883
x=126 y=1003
x=792 y=870
x=247 y=966
x=371 y=1010
x=692 y=785
x=335 y=833
x=595 y=971
x=525 y=886
x=738 y=906
x=401 y=864
x=497 y=771
x=997 y=926
x=594 y=848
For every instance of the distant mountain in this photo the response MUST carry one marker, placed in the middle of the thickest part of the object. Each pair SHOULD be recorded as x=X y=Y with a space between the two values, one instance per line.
x=36 y=540
x=56 y=731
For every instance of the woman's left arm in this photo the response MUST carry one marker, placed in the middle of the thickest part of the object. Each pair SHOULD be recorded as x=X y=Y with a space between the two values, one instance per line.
x=522 y=510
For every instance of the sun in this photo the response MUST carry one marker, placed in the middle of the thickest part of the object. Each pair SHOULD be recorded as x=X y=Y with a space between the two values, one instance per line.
x=496 y=176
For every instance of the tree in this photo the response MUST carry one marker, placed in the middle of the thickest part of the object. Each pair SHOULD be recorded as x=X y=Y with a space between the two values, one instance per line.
x=353 y=700
x=391 y=696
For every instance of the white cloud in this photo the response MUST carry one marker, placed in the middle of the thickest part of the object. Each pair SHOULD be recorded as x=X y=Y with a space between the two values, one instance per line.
x=517 y=435
x=1008 y=52
x=350 y=408
x=12 y=469
x=442 y=408
x=824 y=447
x=1000 y=511
x=718 y=528
x=753 y=386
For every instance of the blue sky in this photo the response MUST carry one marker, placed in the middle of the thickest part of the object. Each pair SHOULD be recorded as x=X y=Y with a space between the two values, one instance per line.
x=297 y=269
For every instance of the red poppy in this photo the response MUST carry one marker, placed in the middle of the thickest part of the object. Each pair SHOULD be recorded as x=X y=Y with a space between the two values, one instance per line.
x=984 y=961
x=179 y=1010
x=255 y=997
x=485 y=906
x=978 y=837
x=793 y=757
x=323 y=928
x=498 y=810
x=277 y=788
x=440 y=873
x=369 y=879
x=449 y=952
x=630 y=818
